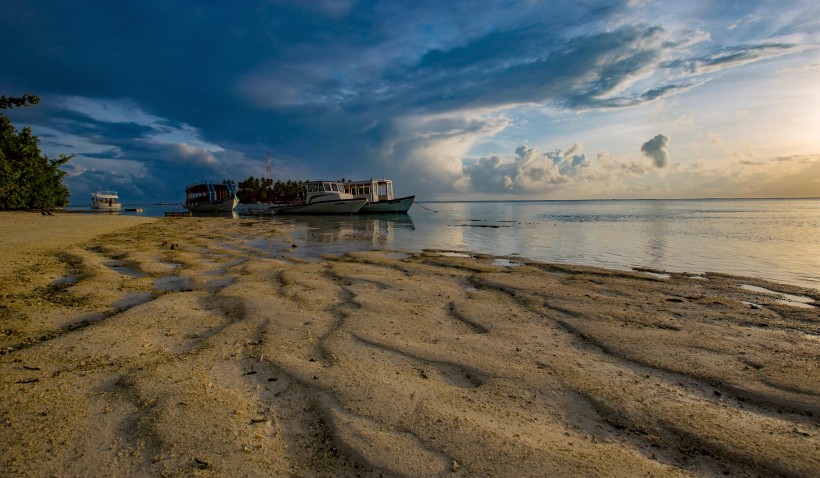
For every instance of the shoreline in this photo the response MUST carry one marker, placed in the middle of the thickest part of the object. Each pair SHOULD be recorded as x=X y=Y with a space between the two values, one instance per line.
x=147 y=346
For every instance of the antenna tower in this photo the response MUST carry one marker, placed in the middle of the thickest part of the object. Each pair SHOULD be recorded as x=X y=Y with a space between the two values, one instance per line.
x=268 y=167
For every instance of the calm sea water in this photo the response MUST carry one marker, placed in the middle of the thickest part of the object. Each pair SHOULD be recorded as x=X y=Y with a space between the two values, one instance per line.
x=771 y=239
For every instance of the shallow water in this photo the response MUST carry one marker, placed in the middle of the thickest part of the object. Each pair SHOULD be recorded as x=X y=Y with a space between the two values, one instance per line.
x=770 y=239
x=776 y=239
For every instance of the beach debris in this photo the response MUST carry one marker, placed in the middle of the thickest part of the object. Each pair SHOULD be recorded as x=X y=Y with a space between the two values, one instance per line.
x=422 y=373
x=200 y=465
x=293 y=246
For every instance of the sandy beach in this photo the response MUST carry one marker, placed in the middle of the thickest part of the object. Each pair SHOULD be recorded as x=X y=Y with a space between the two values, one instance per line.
x=177 y=347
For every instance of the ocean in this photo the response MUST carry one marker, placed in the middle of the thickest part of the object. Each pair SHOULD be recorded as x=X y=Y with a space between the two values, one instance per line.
x=775 y=239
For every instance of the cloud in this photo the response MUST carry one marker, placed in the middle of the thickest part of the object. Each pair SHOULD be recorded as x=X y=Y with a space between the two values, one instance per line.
x=657 y=149
x=343 y=88
x=748 y=19
x=429 y=149
x=529 y=172
x=731 y=56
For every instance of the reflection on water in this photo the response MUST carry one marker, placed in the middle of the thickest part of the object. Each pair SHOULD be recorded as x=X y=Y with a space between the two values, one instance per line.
x=770 y=239
x=316 y=235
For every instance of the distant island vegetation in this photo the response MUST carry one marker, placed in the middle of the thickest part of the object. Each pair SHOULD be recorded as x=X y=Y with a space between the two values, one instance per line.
x=255 y=190
x=258 y=190
x=28 y=179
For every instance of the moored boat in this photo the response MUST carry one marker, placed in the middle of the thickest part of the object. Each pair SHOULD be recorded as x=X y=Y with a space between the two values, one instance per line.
x=105 y=201
x=211 y=196
x=379 y=195
x=323 y=197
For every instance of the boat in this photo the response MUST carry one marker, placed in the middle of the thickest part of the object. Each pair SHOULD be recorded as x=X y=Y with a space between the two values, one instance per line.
x=323 y=197
x=379 y=195
x=105 y=201
x=211 y=196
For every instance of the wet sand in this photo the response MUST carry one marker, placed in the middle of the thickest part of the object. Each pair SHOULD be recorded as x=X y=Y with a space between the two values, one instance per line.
x=178 y=347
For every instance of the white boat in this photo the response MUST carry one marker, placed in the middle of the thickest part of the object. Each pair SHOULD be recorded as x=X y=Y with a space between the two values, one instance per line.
x=323 y=197
x=211 y=196
x=105 y=201
x=379 y=195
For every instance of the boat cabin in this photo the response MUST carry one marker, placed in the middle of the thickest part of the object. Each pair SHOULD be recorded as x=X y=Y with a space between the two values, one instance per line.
x=105 y=200
x=374 y=190
x=210 y=191
x=321 y=187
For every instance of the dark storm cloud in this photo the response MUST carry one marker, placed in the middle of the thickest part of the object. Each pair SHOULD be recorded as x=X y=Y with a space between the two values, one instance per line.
x=657 y=149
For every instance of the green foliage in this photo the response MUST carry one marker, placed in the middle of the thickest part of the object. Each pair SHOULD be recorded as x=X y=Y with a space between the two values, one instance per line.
x=11 y=102
x=28 y=179
x=254 y=190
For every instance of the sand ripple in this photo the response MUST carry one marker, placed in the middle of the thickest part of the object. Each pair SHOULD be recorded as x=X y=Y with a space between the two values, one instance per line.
x=384 y=364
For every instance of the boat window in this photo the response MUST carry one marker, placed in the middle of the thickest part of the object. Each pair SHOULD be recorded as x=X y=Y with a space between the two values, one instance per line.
x=334 y=187
x=367 y=189
x=327 y=186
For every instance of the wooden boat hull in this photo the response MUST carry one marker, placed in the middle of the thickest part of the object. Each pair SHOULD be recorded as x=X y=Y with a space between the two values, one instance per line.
x=114 y=207
x=222 y=205
x=392 y=206
x=342 y=206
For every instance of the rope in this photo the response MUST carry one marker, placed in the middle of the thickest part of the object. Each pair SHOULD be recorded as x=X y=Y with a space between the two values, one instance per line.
x=419 y=205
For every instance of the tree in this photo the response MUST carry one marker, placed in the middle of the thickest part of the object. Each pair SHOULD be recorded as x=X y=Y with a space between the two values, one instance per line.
x=254 y=190
x=28 y=178
x=11 y=102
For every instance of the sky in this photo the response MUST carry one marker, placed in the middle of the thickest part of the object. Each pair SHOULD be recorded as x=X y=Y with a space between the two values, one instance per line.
x=452 y=100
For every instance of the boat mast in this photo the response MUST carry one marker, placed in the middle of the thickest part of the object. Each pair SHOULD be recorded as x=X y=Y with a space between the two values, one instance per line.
x=268 y=168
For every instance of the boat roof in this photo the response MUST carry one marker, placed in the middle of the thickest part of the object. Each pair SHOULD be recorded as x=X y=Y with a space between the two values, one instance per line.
x=370 y=181
x=210 y=181
x=105 y=193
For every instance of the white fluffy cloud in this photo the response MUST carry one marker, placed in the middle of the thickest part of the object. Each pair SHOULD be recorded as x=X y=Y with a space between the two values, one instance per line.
x=529 y=172
x=431 y=148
